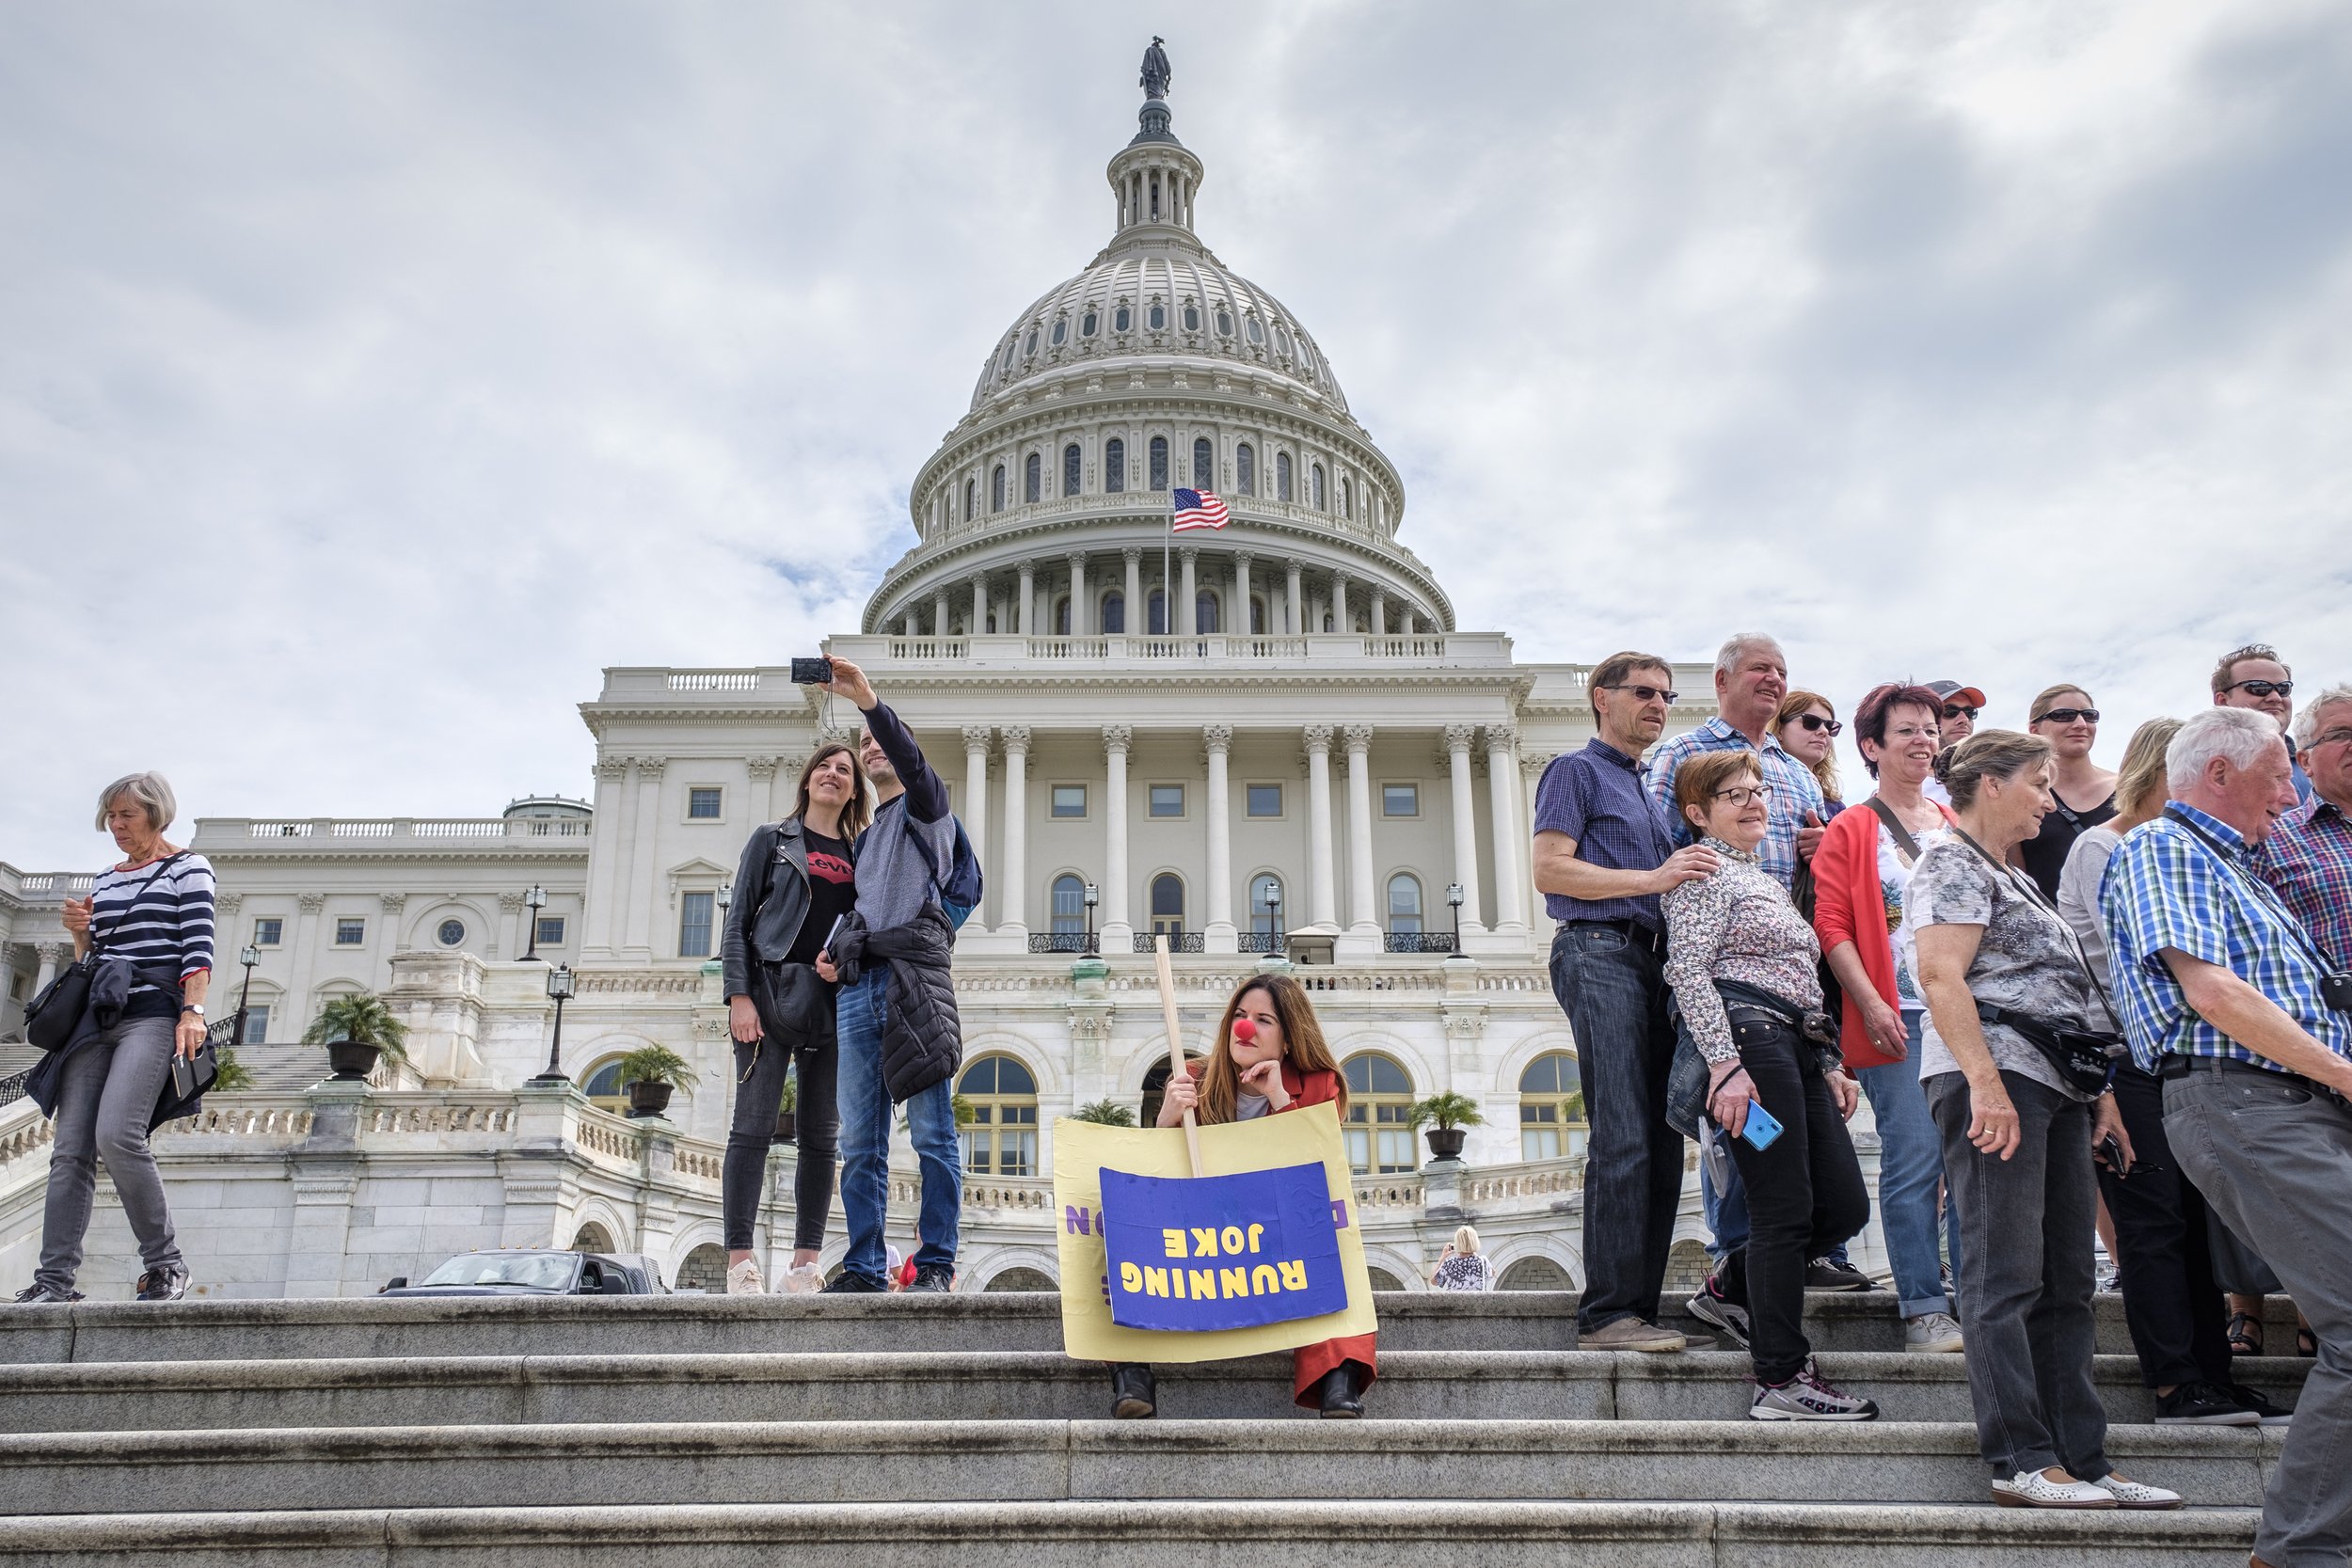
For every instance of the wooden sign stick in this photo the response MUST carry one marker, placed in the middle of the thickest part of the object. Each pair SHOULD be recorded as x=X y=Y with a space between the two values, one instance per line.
x=1175 y=1042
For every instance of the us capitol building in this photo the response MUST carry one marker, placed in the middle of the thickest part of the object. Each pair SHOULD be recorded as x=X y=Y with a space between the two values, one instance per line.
x=1306 y=766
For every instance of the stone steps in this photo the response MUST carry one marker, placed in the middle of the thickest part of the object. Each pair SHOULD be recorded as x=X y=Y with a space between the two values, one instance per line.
x=1277 y=1532
x=965 y=1386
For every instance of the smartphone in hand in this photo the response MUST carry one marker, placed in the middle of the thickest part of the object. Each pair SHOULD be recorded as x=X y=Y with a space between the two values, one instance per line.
x=1762 y=1127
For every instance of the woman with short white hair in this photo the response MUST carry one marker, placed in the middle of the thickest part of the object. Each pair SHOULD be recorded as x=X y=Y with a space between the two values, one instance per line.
x=149 y=919
x=1462 y=1266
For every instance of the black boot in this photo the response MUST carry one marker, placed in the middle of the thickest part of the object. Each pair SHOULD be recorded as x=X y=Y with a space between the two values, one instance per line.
x=1134 y=1396
x=1341 y=1392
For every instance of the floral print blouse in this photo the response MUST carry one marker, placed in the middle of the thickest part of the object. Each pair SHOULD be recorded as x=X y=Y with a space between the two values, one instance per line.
x=1736 y=925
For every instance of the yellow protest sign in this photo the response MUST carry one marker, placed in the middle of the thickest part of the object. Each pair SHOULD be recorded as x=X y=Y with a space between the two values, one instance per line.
x=1083 y=1150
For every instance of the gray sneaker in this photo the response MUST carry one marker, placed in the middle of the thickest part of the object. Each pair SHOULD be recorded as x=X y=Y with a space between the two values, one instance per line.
x=1632 y=1334
x=1709 y=1306
x=1932 y=1333
x=168 y=1283
x=1806 y=1398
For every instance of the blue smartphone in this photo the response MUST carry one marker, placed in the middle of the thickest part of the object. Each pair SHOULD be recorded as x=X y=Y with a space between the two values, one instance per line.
x=1761 y=1127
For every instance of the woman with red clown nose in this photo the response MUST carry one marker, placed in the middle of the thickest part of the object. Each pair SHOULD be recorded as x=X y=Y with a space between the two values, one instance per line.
x=1269 y=1057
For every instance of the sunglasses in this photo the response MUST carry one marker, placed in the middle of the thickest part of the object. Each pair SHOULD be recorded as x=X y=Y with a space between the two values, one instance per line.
x=1814 y=721
x=1646 y=693
x=2068 y=715
x=2263 y=689
x=1958 y=710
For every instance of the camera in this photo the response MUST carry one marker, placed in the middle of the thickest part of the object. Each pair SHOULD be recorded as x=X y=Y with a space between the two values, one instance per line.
x=811 y=672
x=2336 y=990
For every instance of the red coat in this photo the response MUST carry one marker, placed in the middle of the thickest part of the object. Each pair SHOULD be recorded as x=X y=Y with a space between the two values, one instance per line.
x=1318 y=1088
x=1849 y=905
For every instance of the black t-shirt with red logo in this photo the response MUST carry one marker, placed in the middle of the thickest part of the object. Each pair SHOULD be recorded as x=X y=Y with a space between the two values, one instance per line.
x=831 y=889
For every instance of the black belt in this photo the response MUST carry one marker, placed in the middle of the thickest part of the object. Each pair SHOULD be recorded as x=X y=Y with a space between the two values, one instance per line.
x=1643 y=935
x=2173 y=1064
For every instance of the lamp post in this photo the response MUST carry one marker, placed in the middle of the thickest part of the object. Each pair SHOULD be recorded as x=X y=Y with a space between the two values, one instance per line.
x=1453 y=896
x=1273 y=916
x=1093 y=897
x=560 y=989
x=535 y=900
x=249 y=956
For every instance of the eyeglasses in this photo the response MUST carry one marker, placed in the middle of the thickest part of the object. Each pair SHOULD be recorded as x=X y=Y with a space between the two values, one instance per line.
x=1646 y=693
x=2263 y=689
x=2332 y=737
x=2068 y=715
x=1958 y=710
x=1814 y=721
x=1741 y=794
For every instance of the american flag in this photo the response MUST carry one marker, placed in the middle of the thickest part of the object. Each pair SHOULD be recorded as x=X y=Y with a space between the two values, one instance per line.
x=1197 y=509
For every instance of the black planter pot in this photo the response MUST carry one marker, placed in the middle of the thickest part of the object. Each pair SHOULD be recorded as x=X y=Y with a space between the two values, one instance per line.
x=787 y=1126
x=351 y=1060
x=1445 y=1143
x=648 y=1099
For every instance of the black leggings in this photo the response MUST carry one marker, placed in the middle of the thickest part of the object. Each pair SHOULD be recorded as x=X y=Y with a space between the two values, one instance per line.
x=759 y=1070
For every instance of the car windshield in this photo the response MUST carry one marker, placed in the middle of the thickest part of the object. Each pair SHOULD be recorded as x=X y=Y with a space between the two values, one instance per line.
x=537 y=1271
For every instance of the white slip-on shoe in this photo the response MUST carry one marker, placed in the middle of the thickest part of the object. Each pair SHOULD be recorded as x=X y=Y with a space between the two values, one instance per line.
x=1931 y=1334
x=743 y=1279
x=2135 y=1494
x=2035 y=1489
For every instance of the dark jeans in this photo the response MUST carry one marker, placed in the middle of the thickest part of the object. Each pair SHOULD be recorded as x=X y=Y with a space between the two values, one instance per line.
x=1805 y=1191
x=1614 y=990
x=759 y=1071
x=2178 y=1320
x=2027 y=1225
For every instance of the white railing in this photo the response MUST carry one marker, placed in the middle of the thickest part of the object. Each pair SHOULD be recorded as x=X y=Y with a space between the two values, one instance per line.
x=714 y=680
x=375 y=832
x=56 y=881
x=1199 y=649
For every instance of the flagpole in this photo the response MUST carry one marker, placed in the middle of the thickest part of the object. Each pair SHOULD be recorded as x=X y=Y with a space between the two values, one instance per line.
x=1167 y=589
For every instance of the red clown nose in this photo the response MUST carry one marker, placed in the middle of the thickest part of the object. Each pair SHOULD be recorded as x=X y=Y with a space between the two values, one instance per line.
x=1245 y=1030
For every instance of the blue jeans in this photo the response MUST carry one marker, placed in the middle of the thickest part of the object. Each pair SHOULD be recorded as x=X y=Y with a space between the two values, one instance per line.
x=1614 y=989
x=862 y=1011
x=1911 y=1167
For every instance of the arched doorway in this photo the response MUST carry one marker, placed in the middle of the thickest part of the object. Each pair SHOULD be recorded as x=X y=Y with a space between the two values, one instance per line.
x=1022 y=1279
x=704 y=1270
x=592 y=1237
x=1535 y=1274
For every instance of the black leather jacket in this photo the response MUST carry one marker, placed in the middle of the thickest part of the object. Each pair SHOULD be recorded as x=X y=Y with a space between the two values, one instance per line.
x=771 y=899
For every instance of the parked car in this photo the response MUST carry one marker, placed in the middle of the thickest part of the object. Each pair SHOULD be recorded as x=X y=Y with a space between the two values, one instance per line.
x=536 y=1272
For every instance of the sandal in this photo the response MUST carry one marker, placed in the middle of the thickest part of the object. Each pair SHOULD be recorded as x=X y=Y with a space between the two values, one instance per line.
x=2246 y=1334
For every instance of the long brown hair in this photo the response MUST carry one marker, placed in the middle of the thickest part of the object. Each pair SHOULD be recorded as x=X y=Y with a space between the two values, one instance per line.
x=1303 y=1045
x=856 y=815
x=1825 y=770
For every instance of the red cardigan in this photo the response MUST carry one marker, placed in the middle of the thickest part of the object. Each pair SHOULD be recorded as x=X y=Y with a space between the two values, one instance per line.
x=1849 y=905
x=1305 y=1088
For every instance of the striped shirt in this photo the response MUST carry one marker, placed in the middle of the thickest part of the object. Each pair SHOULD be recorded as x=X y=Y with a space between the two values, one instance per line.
x=2167 y=888
x=1795 y=792
x=2307 y=857
x=165 y=924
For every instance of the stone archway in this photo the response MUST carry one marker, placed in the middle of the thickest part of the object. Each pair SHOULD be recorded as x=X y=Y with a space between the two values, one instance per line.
x=1022 y=1279
x=1688 y=1265
x=593 y=1237
x=705 y=1269
x=1381 y=1278
x=1535 y=1274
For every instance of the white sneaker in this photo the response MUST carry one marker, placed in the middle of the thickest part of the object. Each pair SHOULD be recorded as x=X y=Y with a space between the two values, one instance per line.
x=1931 y=1334
x=2133 y=1494
x=743 y=1279
x=2034 y=1489
x=808 y=1279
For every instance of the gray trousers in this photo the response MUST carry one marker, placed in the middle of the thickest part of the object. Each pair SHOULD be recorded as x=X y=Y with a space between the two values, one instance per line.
x=2275 y=1161
x=106 y=1092
x=2027 y=1225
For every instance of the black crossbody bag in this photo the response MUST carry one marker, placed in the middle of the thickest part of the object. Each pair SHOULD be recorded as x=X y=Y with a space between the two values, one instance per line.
x=2085 y=1059
x=57 y=1012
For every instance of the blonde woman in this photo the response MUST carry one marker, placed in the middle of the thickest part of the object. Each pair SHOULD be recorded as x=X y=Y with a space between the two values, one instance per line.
x=1462 y=1266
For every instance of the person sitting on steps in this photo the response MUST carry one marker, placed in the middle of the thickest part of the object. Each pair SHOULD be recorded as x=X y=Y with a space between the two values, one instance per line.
x=1277 y=1063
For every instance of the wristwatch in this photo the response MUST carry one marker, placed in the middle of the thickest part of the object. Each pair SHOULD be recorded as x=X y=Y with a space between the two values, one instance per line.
x=196 y=1007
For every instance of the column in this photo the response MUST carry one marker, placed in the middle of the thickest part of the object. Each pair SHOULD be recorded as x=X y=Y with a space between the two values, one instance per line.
x=974 y=813
x=763 y=777
x=646 y=827
x=979 y=603
x=1139 y=613
x=1027 y=609
x=1118 y=933
x=1323 y=904
x=395 y=908
x=1186 y=621
x=1359 y=905
x=510 y=937
x=1531 y=765
x=1081 y=623
x=1339 y=603
x=906 y=622
x=305 y=955
x=607 y=849
x=1217 y=937
x=1241 y=596
x=1012 y=909
x=54 y=956
x=1512 y=852
x=1380 y=610
x=1458 y=749
x=939 y=612
x=1298 y=605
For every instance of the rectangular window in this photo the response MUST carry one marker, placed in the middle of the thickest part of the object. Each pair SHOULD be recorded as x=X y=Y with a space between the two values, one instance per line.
x=1168 y=799
x=1264 y=800
x=1400 y=799
x=269 y=932
x=255 y=1024
x=350 y=931
x=702 y=804
x=693 y=925
x=1069 y=800
x=550 y=930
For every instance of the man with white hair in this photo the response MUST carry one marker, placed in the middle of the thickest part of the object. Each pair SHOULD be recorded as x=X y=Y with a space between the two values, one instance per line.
x=2308 y=857
x=2226 y=997
x=1750 y=678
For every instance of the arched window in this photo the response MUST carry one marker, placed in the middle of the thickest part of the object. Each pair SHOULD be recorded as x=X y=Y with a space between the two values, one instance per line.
x=1404 y=904
x=1114 y=466
x=603 y=1087
x=1061 y=332
x=1157 y=316
x=1156 y=612
x=1070 y=906
x=1257 y=332
x=1378 y=1134
x=1002 y=1138
x=1314 y=484
x=1061 y=616
x=1070 y=469
x=971 y=499
x=1224 y=323
x=1168 y=906
x=1265 y=904
x=1282 y=476
x=1086 y=324
x=1551 y=1108
x=1121 y=319
x=1033 y=478
x=1257 y=615
x=1114 y=614
x=1204 y=617
x=996 y=489
x=1203 y=463
x=1192 y=318
x=1245 y=469
x=1159 y=462
x=1028 y=344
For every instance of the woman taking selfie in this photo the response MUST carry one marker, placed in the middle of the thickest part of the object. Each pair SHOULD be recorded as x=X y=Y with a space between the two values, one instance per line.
x=794 y=882
x=1743 y=963
x=2006 y=988
x=1269 y=1057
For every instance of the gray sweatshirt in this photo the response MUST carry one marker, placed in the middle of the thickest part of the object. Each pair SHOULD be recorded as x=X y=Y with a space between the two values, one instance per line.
x=894 y=881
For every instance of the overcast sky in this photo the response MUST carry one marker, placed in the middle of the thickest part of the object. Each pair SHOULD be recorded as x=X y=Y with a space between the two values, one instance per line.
x=371 y=376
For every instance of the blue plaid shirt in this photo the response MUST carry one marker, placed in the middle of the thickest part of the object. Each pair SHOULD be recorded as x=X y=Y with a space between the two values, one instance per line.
x=1795 y=791
x=1595 y=796
x=2307 y=857
x=2166 y=887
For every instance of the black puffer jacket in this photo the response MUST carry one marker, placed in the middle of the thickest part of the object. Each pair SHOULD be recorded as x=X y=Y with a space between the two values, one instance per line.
x=923 y=1040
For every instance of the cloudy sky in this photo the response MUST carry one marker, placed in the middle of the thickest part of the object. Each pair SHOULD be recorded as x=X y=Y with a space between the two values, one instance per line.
x=371 y=376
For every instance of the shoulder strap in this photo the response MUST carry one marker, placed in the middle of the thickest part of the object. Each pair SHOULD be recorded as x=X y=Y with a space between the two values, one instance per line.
x=2032 y=892
x=1904 y=840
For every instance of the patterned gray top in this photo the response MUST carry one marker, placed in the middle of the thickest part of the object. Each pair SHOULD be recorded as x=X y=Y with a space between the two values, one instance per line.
x=1736 y=925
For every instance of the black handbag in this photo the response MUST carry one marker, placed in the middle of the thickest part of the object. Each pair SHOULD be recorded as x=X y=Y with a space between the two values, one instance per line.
x=57 y=1012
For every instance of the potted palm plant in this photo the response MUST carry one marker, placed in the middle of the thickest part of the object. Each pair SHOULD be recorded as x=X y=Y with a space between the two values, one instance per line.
x=358 y=1030
x=652 y=1073
x=1446 y=1115
x=1105 y=1113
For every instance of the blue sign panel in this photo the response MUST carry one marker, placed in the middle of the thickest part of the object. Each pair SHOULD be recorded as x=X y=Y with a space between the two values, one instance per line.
x=1196 y=1254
